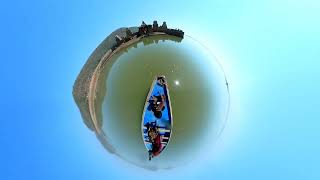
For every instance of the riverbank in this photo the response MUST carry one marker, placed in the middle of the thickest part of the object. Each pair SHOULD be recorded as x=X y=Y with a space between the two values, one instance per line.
x=85 y=87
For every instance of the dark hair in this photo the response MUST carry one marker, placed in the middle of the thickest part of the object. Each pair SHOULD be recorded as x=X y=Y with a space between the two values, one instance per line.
x=157 y=114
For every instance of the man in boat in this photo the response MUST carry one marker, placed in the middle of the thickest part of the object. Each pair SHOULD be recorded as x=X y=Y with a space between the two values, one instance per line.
x=157 y=105
x=157 y=101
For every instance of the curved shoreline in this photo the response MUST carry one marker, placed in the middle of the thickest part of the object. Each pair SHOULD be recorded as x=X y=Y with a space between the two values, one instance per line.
x=91 y=87
x=95 y=77
x=102 y=76
x=85 y=87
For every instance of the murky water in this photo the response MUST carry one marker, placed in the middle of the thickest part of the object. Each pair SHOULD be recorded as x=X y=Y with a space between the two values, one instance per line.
x=198 y=91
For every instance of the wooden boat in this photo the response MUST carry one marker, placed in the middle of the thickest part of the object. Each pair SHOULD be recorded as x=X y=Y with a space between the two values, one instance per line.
x=157 y=118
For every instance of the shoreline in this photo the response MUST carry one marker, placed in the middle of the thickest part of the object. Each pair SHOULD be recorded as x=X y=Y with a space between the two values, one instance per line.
x=95 y=77
x=85 y=87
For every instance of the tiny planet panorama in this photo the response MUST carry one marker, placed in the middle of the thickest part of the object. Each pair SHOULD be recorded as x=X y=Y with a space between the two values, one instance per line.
x=113 y=89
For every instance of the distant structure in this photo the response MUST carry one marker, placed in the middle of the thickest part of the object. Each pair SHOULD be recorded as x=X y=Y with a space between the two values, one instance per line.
x=163 y=27
x=155 y=26
x=146 y=30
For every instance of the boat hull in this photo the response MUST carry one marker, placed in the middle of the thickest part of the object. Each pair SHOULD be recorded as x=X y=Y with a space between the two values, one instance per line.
x=157 y=130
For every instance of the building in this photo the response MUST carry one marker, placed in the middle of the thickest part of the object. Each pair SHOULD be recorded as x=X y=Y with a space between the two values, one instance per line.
x=145 y=29
x=155 y=26
x=164 y=25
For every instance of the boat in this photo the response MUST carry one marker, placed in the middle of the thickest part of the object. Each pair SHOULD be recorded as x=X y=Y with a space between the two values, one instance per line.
x=156 y=123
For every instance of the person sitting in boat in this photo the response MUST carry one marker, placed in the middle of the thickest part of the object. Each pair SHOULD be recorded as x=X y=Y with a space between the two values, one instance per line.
x=161 y=81
x=157 y=100
x=156 y=105
x=155 y=140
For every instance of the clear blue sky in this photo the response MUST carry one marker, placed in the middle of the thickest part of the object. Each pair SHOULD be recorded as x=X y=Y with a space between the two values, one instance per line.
x=269 y=49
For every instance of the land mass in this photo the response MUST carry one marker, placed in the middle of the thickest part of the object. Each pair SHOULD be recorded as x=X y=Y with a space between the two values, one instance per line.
x=84 y=88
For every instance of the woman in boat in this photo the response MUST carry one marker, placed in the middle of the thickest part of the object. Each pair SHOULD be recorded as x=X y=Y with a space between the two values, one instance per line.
x=155 y=140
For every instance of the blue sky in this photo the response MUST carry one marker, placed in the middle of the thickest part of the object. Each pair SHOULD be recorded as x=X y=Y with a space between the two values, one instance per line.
x=269 y=49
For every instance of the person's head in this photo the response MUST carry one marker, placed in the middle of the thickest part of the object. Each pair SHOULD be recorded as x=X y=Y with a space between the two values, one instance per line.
x=157 y=114
x=152 y=133
x=160 y=81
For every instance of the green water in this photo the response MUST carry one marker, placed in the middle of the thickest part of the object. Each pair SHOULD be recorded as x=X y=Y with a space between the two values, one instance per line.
x=198 y=97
